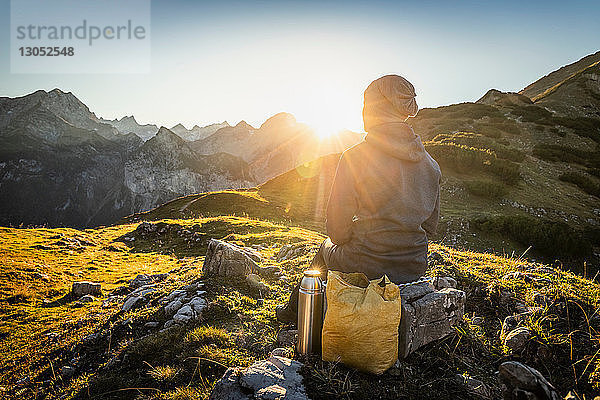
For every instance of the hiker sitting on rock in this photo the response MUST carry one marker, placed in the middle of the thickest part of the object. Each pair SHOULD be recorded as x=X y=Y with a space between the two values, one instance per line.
x=385 y=198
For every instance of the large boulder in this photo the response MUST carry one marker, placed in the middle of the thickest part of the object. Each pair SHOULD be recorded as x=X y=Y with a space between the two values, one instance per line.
x=519 y=381
x=275 y=378
x=226 y=259
x=427 y=314
x=82 y=288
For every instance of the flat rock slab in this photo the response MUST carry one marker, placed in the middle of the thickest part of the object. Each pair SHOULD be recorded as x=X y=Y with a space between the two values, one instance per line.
x=83 y=288
x=275 y=378
x=427 y=315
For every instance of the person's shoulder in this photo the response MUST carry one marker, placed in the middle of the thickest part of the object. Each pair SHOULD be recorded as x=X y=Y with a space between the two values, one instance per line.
x=434 y=164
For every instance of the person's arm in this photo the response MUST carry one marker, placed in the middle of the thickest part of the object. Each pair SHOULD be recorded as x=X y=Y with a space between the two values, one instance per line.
x=430 y=225
x=342 y=205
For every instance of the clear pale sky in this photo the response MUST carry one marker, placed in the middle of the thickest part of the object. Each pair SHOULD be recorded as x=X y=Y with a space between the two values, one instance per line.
x=215 y=61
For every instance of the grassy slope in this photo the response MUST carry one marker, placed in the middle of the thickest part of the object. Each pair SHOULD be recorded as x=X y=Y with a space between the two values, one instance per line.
x=128 y=361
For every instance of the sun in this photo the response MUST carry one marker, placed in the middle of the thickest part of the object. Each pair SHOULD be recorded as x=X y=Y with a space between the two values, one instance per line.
x=328 y=123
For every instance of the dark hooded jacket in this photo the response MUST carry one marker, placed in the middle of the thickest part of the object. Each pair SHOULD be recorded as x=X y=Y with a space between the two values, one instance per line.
x=384 y=203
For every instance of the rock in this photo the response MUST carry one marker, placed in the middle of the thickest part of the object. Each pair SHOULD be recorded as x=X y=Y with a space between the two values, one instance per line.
x=427 y=315
x=519 y=381
x=513 y=321
x=281 y=352
x=151 y=325
x=132 y=302
x=516 y=339
x=290 y=251
x=146 y=280
x=83 y=287
x=87 y=299
x=181 y=318
x=275 y=378
x=255 y=283
x=253 y=254
x=198 y=304
x=412 y=292
x=226 y=259
x=443 y=282
x=474 y=386
x=287 y=338
x=172 y=308
x=67 y=372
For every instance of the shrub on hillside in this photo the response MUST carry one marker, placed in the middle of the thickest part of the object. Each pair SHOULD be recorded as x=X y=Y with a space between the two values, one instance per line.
x=462 y=158
x=583 y=182
x=486 y=188
x=479 y=141
x=582 y=126
x=559 y=153
x=594 y=171
x=553 y=238
x=533 y=113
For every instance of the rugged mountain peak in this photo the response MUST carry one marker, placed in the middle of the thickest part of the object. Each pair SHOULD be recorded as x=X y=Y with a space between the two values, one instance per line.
x=554 y=78
x=166 y=134
x=243 y=125
x=128 y=119
x=495 y=97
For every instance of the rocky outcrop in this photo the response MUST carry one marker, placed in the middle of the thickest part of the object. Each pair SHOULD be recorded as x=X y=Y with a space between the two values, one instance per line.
x=275 y=378
x=428 y=314
x=520 y=381
x=165 y=167
x=226 y=259
x=184 y=305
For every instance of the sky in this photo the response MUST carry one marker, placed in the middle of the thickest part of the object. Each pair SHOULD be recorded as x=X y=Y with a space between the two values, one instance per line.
x=217 y=61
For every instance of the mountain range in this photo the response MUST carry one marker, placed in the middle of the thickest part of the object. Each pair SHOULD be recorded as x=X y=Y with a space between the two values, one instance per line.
x=61 y=165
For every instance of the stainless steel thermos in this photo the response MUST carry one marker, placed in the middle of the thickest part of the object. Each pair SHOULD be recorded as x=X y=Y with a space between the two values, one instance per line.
x=310 y=312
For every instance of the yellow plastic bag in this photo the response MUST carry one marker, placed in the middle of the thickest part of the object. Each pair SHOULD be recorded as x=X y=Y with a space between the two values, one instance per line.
x=361 y=321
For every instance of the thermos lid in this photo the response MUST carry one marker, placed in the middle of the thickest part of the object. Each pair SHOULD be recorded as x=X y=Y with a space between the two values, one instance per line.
x=311 y=281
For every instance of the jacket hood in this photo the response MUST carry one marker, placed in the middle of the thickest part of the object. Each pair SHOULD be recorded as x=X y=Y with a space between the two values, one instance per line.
x=397 y=140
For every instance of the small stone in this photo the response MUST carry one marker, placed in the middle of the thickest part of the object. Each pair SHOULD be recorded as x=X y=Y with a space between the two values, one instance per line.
x=281 y=352
x=444 y=282
x=82 y=288
x=521 y=380
x=151 y=324
x=172 y=308
x=516 y=339
x=131 y=303
x=67 y=372
x=87 y=299
x=181 y=318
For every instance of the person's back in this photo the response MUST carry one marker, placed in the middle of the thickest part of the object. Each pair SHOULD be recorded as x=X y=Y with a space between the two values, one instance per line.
x=384 y=202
